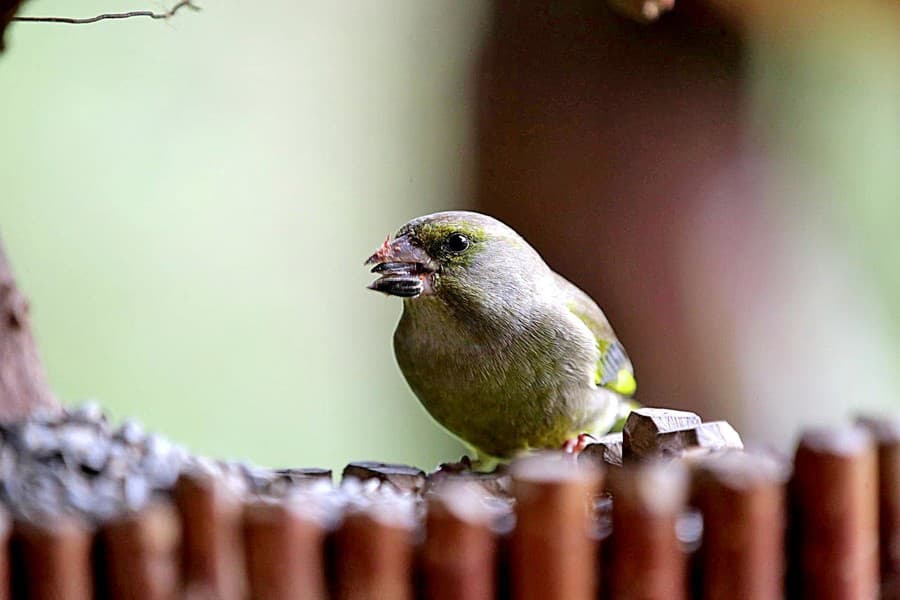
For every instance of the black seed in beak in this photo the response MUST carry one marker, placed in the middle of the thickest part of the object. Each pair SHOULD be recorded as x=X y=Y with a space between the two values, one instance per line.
x=394 y=267
x=403 y=286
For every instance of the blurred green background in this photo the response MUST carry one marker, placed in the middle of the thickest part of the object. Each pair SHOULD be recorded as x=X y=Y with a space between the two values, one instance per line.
x=188 y=205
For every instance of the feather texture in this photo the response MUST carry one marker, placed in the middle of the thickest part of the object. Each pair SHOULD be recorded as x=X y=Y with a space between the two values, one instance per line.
x=501 y=351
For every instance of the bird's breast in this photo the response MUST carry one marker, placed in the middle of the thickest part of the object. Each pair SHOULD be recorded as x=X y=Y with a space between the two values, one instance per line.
x=519 y=386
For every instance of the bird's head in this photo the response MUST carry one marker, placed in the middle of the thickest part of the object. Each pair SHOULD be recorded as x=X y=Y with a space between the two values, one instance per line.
x=455 y=253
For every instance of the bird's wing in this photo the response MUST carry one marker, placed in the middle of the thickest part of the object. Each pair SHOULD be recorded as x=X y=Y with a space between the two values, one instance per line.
x=614 y=369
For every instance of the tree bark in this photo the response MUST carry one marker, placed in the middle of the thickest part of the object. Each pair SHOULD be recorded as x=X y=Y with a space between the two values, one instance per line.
x=23 y=385
x=8 y=8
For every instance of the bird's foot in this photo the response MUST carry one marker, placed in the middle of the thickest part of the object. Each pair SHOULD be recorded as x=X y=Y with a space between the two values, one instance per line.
x=577 y=444
x=464 y=465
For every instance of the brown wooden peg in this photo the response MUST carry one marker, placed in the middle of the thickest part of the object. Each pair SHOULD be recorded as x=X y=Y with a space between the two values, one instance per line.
x=143 y=554
x=835 y=514
x=56 y=559
x=459 y=554
x=212 y=550
x=283 y=544
x=648 y=562
x=742 y=499
x=553 y=555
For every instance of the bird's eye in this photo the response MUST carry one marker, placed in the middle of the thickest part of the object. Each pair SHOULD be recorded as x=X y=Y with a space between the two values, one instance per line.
x=457 y=242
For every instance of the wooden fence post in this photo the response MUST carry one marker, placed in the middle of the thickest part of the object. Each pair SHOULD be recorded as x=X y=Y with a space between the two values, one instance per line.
x=835 y=515
x=375 y=550
x=648 y=562
x=742 y=499
x=886 y=432
x=283 y=547
x=142 y=554
x=552 y=553
x=459 y=555
x=56 y=559
x=212 y=550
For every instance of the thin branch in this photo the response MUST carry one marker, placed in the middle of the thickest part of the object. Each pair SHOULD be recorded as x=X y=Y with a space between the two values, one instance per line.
x=126 y=15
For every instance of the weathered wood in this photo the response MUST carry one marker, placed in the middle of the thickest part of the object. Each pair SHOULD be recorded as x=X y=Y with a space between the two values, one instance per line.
x=23 y=385
x=552 y=554
x=647 y=560
x=142 y=555
x=284 y=481
x=710 y=436
x=283 y=547
x=402 y=477
x=497 y=483
x=742 y=499
x=644 y=429
x=835 y=515
x=606 y=450
x=459 y=555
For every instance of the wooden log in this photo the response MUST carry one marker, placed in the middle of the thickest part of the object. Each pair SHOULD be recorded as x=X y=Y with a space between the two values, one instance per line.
x=23 y=385
x=402 y=477
x=644 y=427
x=283 y=546
x=835 y=516
x=55 y=559
x=742 y=499
x=606 y=450
x=647 y=562
x=710 y=436
x=886 y=431
x=374 y=551
x=142 y=554
x=286 y=481
x=497 y=483
x=552 y=553
x=459 y=555
x=212 y=551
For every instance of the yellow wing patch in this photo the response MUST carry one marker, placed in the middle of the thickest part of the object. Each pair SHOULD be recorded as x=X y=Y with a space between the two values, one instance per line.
x=624 y=384
x=614 y=370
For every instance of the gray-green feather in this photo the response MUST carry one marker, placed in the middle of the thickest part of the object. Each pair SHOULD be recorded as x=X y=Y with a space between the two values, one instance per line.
x=505 y=353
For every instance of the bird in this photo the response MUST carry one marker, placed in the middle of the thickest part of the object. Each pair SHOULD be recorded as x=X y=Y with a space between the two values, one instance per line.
x=504 y=353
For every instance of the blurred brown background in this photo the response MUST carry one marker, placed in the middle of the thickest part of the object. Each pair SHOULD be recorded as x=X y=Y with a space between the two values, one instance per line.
x=187 y=203
x=657 y=166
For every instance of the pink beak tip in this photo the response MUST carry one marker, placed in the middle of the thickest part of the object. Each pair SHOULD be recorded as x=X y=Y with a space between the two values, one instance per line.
x=382 y=253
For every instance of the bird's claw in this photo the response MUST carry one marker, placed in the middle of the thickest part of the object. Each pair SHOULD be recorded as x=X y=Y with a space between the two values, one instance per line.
x=577 y=444
x=464 y=465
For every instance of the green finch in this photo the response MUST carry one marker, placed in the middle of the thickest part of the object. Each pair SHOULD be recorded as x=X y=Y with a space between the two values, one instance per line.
x=503 y=352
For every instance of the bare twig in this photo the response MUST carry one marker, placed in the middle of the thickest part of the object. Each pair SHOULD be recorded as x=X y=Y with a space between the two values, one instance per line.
x=125 y=15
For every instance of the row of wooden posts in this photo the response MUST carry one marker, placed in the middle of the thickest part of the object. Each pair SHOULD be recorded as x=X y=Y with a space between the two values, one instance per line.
x=769 y=530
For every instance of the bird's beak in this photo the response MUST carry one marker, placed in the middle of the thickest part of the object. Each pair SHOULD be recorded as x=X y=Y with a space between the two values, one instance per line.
x=405 y=268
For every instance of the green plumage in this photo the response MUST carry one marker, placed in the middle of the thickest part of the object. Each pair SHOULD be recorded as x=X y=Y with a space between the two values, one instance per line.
x=504 y=353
